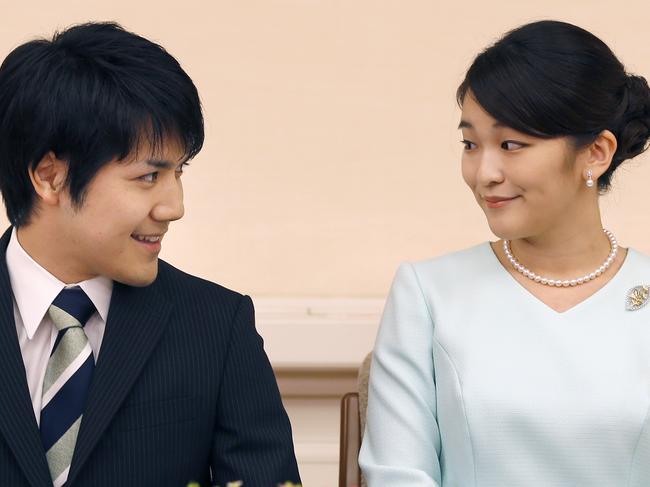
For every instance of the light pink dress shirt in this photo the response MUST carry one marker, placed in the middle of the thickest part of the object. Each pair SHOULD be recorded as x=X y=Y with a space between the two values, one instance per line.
x=34 y=289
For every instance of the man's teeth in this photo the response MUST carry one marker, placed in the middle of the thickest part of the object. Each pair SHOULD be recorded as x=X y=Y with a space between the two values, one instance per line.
x=146 y=239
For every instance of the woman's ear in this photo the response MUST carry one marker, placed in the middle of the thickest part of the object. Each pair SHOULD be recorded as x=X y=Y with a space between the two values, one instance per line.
x=48 y=178
x=599 y=154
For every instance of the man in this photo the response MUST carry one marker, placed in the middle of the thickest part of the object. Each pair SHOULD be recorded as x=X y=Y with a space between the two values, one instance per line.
x=116 y=368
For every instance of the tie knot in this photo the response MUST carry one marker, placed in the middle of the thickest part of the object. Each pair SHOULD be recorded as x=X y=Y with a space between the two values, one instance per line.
x=72 y=307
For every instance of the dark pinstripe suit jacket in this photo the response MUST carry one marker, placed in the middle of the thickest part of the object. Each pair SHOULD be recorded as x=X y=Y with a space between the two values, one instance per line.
x=182 y=387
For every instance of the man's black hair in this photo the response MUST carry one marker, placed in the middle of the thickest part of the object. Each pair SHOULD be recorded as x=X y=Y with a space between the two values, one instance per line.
x=90 y=95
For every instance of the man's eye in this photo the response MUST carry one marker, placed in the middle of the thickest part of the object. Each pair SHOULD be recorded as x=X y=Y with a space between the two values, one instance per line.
x=512 y=145
x=468 y=145
x=149 y=178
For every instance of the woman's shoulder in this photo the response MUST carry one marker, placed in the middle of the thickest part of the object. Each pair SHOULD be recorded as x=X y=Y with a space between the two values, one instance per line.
x=641 y=258
x=441 y=280
x=638 y=264
x=471 y=259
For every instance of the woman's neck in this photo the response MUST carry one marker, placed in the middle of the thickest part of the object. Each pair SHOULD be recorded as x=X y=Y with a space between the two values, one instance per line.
x=564 y=252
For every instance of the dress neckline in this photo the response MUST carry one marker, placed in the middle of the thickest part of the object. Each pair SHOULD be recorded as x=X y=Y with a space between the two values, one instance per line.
x=597 y=295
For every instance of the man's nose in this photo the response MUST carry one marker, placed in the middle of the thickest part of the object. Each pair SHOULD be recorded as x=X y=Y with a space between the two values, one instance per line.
x=170 y=206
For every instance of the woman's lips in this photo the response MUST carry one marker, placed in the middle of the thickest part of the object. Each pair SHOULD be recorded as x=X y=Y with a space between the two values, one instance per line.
x=498 y=202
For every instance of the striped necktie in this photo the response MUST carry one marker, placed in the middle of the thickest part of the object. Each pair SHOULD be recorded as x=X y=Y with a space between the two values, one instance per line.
x=67 y=380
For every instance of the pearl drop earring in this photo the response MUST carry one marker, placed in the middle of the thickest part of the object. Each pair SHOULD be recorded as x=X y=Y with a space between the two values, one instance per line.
x=590 y=181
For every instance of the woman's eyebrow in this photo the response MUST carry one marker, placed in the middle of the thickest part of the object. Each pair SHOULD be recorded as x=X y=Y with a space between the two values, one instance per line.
x=464 y=124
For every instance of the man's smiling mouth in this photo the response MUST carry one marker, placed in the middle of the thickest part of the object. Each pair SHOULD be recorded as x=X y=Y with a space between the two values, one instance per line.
x=147 y=238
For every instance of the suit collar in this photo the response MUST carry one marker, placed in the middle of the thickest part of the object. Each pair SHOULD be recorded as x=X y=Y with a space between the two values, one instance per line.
x=17 y=421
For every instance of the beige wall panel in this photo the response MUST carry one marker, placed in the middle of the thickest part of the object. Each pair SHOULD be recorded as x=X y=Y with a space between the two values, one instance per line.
x=331 y=152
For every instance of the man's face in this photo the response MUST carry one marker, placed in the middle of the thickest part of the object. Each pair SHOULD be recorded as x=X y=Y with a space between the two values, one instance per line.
x=119 y=228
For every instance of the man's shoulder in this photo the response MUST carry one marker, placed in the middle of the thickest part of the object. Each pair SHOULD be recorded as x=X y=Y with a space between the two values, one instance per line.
x=180 y=283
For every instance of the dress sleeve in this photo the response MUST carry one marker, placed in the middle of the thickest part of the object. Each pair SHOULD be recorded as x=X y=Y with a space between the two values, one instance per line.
x=401 y=443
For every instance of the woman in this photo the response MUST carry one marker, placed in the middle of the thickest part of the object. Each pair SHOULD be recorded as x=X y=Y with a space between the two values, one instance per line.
x=525 y=362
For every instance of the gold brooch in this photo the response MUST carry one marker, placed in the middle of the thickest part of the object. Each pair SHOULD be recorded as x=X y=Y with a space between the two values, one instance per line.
x=637 y=297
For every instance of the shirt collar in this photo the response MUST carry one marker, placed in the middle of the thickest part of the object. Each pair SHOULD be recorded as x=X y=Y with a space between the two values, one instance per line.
x=34 y=288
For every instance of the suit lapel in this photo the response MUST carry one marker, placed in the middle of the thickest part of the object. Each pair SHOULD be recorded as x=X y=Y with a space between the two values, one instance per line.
x=17 y=421
x=136 y=320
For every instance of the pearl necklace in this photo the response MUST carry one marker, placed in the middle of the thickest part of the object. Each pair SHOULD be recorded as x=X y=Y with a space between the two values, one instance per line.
x=572 y=282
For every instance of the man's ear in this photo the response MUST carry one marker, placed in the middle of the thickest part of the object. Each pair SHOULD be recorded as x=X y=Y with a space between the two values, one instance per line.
x=600 y=153
x=48 y=178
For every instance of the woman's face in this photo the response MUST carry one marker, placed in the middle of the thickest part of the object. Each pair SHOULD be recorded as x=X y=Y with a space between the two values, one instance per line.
x=524 y=184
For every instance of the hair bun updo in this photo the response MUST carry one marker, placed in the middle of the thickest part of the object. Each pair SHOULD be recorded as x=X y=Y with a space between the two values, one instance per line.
x=554 y=79
x=633 y=130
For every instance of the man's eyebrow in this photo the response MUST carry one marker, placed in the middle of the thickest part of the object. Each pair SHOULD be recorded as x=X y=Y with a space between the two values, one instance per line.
x=160 y=164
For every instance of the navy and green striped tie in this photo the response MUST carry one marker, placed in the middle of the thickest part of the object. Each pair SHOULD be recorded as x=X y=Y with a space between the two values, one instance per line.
x=67 y=380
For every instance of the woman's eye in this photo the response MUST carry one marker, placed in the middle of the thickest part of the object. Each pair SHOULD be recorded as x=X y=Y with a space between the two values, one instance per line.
x=468 y=145
x=149 y=178
x=512 y=145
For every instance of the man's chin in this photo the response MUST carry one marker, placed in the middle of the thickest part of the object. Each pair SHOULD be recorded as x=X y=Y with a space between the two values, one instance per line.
x=139 y=279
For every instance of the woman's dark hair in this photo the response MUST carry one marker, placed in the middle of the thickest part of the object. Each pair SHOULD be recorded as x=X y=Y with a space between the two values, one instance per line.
x=551 y=79
x=90 y=95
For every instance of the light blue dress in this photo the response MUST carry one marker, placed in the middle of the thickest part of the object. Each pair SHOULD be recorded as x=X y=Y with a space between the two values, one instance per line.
x=477 y=383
